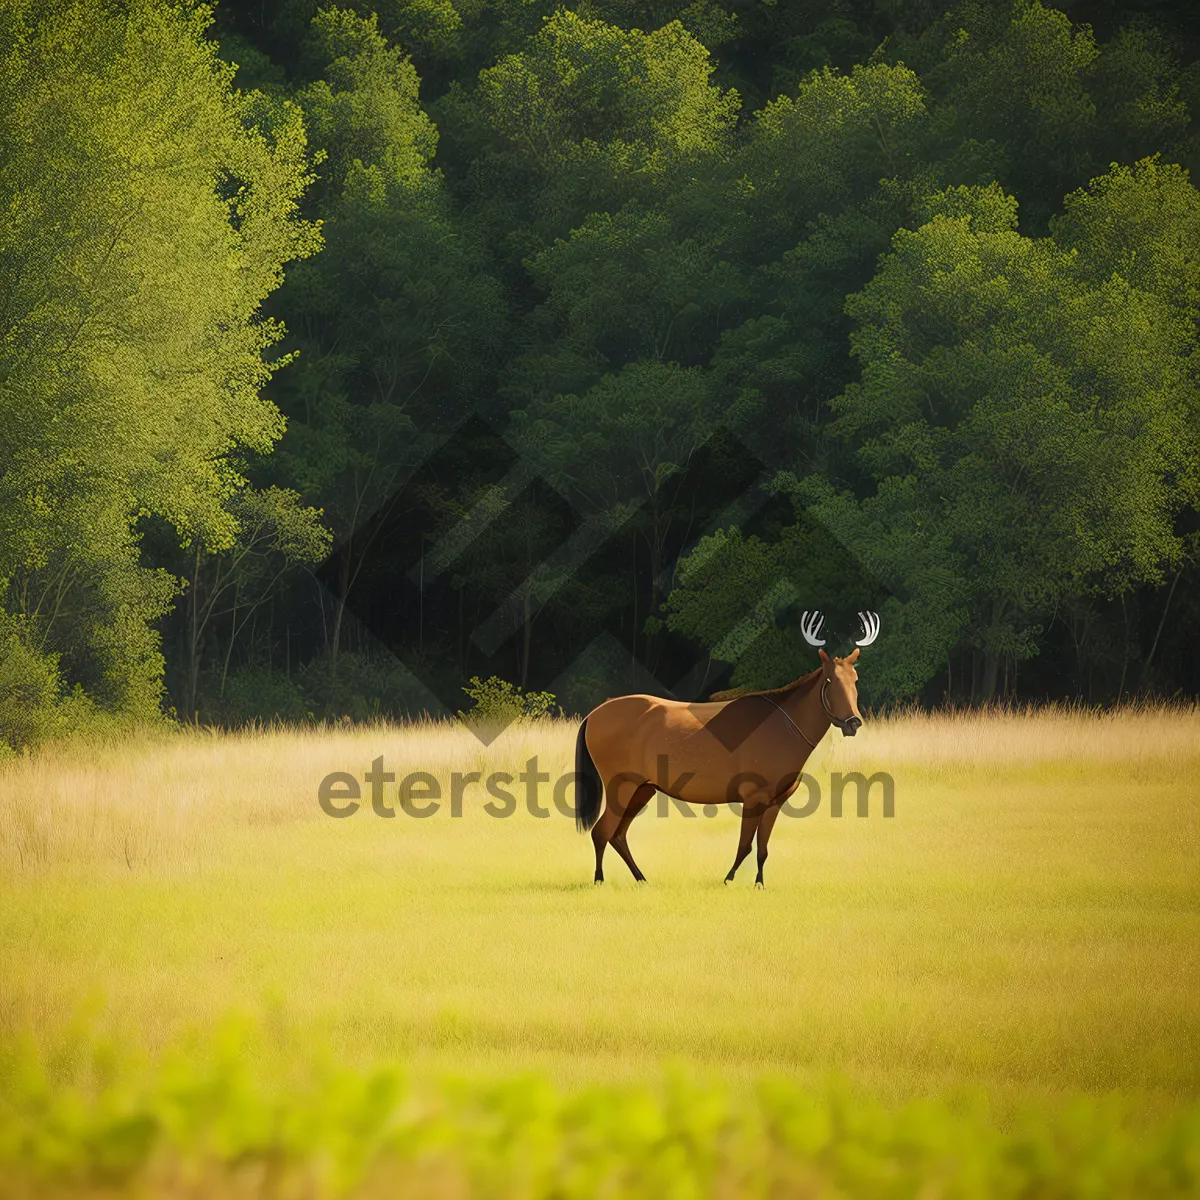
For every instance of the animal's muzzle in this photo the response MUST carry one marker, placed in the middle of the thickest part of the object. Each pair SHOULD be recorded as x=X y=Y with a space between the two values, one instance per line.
x=850 y=726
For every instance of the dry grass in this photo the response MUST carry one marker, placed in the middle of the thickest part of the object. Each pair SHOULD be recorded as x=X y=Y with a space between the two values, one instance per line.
x=1028 y=923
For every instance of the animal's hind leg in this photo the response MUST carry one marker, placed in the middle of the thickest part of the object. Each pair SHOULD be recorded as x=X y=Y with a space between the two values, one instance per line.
x=605 y=829
x=602 y=831
x=640 y=798
x=765 y=825
x=751 y=813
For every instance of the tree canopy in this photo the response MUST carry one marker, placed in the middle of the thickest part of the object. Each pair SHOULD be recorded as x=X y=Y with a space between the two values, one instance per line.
x=652 y=323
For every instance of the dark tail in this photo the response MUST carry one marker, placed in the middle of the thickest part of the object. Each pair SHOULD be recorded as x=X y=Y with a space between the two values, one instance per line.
x=588 y=788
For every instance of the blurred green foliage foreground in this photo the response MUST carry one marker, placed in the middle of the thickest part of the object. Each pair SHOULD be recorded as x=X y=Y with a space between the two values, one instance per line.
x=212 y=1120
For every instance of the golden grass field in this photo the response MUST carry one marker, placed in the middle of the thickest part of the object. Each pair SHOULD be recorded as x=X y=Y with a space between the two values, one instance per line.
x=1027 y=925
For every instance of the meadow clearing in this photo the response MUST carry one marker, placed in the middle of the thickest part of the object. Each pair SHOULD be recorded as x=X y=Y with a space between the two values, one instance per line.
x=1025 y=928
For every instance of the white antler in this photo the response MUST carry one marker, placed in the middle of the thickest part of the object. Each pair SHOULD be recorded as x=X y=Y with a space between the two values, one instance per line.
x=810 y=626
x=870 y=624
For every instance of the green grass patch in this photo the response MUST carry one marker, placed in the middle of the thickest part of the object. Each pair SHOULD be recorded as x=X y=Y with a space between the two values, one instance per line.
x=1025 y=929
x=203 y=1121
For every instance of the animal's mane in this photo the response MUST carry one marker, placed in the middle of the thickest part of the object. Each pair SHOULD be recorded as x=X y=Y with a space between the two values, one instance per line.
x=797 y=685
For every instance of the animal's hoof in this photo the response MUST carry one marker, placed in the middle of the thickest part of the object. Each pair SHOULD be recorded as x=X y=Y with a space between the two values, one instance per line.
x=598 y=882
x=759 y=885
x=641 y=881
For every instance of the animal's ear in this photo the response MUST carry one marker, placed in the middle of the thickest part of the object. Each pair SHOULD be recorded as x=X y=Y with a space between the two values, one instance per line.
x=824 y=657
x=853 y=657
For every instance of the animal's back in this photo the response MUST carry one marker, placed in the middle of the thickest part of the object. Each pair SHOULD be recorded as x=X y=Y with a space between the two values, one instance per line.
x=638 y=713
x=630 y=735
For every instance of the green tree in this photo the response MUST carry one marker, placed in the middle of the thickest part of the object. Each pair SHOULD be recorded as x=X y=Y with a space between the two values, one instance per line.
x=1026 y=410
x=227 y=591
x=624 y=288
x=827 y=147
x=400 y=321
x=1051 y=106
x=365 y=107
x=150 y=208
x=623 y=224
x=623 y=447
x=742 y=597
x=640 y=97
x=586 y=118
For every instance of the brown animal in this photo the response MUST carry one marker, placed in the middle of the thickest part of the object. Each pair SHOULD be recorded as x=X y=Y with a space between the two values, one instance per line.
x=748 y=748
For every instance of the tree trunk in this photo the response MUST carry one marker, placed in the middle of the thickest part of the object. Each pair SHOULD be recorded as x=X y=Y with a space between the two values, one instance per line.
x=1158 y=633
x=194 y=648
x=991 y=672
x=233 y=629
x=1125 y=652
x=340 y=605
x=991 y=657
x=526 y=638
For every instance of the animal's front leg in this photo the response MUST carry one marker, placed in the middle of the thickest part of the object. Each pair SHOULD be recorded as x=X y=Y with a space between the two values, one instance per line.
x=750 y=817
x=765 y=825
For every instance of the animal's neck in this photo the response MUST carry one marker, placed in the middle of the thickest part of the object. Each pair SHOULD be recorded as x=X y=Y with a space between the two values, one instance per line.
x=806 y=710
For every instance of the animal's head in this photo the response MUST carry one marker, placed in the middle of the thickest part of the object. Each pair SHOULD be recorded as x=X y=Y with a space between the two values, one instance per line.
x=839 y=676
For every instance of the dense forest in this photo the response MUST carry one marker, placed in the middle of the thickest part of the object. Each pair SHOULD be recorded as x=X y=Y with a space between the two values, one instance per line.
x=349 y=354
